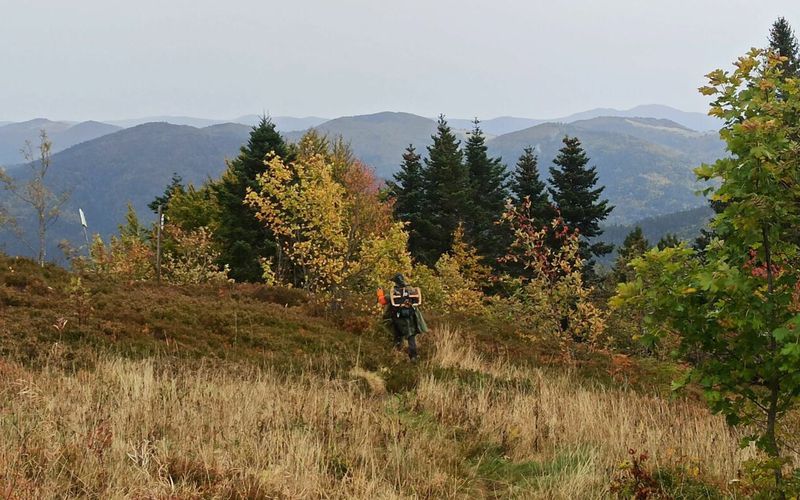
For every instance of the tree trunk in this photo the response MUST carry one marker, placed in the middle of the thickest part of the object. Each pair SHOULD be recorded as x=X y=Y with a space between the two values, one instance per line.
x=771 y=442
x=42 y=232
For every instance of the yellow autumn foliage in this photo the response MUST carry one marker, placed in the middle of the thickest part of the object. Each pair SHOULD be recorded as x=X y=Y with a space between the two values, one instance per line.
x=334 y=230
x=304 y=207
x=462 y=276
x=126 y=258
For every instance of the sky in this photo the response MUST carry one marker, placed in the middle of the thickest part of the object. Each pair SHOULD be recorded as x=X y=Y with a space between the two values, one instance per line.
x=110 y=59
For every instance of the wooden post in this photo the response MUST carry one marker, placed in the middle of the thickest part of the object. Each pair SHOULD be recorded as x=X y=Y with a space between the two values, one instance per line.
x=159 y=223
x=86 y=237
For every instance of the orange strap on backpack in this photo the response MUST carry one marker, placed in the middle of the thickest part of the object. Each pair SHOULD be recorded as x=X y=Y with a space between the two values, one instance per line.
x=382 y=297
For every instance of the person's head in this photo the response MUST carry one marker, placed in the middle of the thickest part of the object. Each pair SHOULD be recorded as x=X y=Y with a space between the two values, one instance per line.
x=399 y=280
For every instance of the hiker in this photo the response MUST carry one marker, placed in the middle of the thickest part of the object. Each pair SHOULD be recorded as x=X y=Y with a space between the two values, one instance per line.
x=402 y=314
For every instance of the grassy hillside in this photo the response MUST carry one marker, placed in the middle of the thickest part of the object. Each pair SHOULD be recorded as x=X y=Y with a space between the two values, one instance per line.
x=141 y=391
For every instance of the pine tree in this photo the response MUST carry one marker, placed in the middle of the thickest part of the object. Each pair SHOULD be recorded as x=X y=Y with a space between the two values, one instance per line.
x=783 y=41
x=408 y=190
x=447 y=194
x=526 y=182
x=574 y=193
x=243 y=239
x=489 y=191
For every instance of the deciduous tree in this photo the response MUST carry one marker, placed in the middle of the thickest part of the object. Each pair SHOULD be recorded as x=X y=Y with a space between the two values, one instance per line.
x=737 y=310
x=243 y=240
x=45 y=204
x=553 y=297
x=303 y=206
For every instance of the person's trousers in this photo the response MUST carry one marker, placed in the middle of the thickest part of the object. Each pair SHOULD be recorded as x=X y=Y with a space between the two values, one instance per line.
x=412 y=343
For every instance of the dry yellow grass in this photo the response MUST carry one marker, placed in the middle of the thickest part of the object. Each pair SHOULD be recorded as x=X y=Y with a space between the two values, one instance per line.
x=472 y=428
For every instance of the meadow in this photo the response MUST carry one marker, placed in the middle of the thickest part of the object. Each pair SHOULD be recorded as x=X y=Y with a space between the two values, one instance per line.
x=258 y=399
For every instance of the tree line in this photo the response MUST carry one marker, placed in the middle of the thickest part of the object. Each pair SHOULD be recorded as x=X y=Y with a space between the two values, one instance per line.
x=454 y=186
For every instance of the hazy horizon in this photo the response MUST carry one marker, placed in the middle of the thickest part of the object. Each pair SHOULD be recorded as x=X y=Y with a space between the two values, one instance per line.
x=230 y=119
x=108 y=61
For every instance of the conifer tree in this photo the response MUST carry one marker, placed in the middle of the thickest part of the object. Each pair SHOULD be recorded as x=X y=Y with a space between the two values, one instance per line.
x=634 y=245
x=526 y=182
x=574 y=193
x=489 y=191
x=447 y=194
x=176 y=184
x=243 y=239
x=669 y=240
x=408 y=190
x=783 y=41
x=132 y=228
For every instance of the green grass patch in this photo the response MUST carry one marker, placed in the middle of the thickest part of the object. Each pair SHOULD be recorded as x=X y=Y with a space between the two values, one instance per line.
x=499 y=473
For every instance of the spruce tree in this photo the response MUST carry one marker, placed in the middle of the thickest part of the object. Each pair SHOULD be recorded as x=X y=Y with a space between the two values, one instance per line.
x=447 y=194
x=526 y=182
x=635 y=245
x=574 y=193
x=176 y=184
x=783 y=41
x=669 y=240
x=489 y=191
x=408 y=190
x=242 y=238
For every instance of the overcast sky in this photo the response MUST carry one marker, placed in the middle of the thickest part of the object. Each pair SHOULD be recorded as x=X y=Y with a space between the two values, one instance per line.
x=110 y=59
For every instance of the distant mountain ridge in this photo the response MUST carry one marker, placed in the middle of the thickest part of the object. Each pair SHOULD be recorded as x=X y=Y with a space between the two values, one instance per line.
x=686 y=225
x=62 y=134
x=645 y=163
x=130 y=166
x=379 y=139
x=507 y=124
x=498 y=126
x=696 y=121
x=282 y=123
